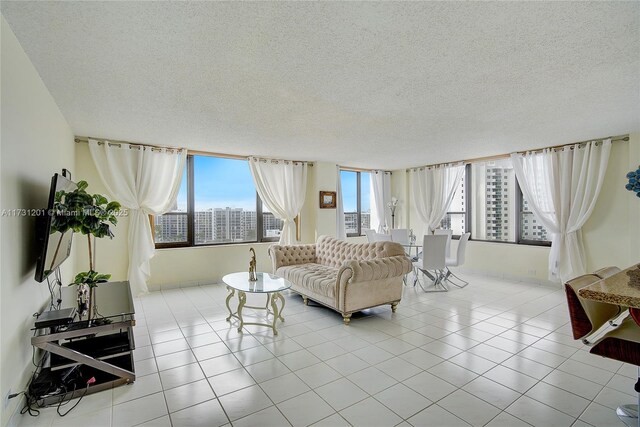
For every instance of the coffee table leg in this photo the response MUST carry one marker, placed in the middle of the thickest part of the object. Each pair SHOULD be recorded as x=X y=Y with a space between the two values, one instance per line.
x=231 y=294
x=242 y=299
x=281 y=298
x=276 y=314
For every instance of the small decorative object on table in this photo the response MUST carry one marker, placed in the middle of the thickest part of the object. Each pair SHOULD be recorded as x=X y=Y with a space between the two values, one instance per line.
x=634 y=181
x=412 y=237
x=252 y=266
x=634 y=277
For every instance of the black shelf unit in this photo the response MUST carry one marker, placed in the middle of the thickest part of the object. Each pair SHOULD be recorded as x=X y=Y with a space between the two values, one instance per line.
x=101 y=349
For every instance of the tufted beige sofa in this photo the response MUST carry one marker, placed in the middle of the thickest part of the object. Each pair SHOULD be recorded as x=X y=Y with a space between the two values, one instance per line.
x=346 y=277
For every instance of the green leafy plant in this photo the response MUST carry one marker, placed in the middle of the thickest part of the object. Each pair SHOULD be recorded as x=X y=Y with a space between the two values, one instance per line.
x=89 y=214
x=90 y=278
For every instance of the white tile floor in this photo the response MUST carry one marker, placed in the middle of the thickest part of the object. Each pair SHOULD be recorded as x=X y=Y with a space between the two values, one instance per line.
x=496 y=353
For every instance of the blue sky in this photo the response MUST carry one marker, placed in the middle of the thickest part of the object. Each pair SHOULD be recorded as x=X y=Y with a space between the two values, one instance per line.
x=350 y=190
x=219 y=183
x=227 y=182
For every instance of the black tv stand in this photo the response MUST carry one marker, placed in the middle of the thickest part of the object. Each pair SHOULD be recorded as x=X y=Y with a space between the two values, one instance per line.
x=101 y=349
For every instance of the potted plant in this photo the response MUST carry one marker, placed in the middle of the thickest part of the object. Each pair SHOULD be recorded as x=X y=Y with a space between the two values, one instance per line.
x=91 y=215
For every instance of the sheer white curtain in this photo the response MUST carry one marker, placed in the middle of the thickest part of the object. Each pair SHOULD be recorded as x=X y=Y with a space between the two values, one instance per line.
x=433 y=189
x=341 y=232
x=562 y=187
x=281 y=185
x=146 y=181
x=380 y=196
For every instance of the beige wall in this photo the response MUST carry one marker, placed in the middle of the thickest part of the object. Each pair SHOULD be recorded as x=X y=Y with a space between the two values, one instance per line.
x=111 y=254
x=36 y=142
x=326 y=180
x=611 y=235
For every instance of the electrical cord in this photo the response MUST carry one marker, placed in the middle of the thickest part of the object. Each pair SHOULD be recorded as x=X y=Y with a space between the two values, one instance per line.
x=86 y=389
x=55 y=300
x=59 y=283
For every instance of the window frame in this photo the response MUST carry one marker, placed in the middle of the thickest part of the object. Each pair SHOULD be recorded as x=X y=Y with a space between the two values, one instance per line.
x=518 y=202
x=467 y=204
x=358 y=201
x=519 y=212
x=190 y=242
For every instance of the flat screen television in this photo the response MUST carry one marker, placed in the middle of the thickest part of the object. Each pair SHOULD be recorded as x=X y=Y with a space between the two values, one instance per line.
x=53 y=247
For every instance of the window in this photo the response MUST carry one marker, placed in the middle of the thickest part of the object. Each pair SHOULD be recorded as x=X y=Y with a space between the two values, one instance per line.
x=217 y=204
x=171 y=228
x=356 y=201
x=456 y=218
x=271 y=226
x=497 y=210
x=531 y=231
x=492 y=213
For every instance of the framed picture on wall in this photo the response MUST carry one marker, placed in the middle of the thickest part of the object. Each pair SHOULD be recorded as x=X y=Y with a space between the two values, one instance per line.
x=327 y=200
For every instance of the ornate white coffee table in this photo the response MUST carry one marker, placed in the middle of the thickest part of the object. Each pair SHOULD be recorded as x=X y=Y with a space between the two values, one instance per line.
x=266 y=284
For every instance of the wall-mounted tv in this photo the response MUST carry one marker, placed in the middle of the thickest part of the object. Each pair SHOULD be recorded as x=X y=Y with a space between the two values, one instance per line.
x=53 y=247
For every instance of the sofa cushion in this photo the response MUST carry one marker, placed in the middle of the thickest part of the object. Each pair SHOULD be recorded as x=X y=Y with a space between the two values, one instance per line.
x=333 y=252
x=317 y=278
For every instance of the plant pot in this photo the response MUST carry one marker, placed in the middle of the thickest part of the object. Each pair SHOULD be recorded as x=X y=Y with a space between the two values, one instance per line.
x=84 y=300
x=87 y=304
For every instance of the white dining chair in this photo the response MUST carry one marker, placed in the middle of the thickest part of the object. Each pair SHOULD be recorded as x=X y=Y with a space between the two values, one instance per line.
x=400 y=235
x=380 y=237
x=433 y=262
x=446 y=232
x=457 y=261
x=370 y=235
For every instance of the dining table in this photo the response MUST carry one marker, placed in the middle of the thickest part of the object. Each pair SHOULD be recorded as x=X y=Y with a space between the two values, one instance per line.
x=623 y=289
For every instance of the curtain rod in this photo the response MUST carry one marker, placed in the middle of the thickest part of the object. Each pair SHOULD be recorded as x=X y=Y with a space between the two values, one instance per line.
x=350 y=169
x=618 y=138
x=85 y=139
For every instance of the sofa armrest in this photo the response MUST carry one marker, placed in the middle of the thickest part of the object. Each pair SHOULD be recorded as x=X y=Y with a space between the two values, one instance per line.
x=373 y=269
x=282 y=255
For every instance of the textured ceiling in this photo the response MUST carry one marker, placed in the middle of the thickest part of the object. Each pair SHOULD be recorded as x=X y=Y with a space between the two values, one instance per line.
x=385 y=85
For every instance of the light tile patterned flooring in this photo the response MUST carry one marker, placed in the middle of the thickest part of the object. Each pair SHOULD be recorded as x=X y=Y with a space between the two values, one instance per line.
x=496 y=353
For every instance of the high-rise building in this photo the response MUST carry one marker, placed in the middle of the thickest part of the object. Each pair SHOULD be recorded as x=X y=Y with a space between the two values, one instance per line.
x=250 y=225
x=171 y=228
x=271 y=225
x=497 y=224
x=228 y=224
x=365 y=220
x=493 y=205
x=203 y=226
x=351 y=221
x=531 y=229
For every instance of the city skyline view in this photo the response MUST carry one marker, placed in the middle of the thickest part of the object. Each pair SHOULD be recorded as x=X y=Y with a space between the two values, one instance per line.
x=240 y=192
x=225 y=205
x=213 y=187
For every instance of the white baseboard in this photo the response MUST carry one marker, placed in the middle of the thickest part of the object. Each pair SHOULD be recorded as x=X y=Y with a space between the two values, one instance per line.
x=513 y=277
x=14 y=421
